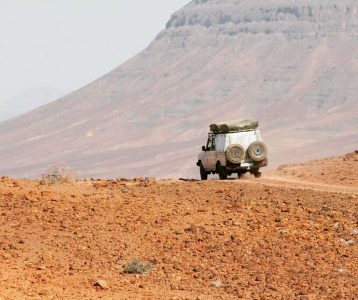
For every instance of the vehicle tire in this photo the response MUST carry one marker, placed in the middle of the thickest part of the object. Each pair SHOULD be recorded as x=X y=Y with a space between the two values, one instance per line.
x=203 y=173
x=257 y=173
x=221 y=170
x=257 y=151
x=235 y=153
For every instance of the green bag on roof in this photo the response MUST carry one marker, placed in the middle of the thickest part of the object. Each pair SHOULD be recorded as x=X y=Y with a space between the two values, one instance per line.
x=234 y=126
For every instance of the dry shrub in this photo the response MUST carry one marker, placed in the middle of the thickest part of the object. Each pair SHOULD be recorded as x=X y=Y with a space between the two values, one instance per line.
x=136 y=266
x=59 y=173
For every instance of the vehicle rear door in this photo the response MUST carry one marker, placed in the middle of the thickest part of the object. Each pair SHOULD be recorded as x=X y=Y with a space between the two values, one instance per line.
x=209 y=159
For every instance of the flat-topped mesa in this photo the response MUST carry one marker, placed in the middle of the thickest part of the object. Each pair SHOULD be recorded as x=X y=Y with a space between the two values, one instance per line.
x=264 y=16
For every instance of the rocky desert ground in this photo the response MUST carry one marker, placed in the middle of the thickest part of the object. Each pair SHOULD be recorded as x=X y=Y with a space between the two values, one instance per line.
x=293 y=234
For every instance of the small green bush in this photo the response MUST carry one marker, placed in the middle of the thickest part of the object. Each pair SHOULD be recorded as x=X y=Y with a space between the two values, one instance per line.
x=136 y=266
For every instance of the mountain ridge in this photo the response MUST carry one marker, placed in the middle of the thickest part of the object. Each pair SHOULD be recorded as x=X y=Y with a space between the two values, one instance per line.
x=313 y=12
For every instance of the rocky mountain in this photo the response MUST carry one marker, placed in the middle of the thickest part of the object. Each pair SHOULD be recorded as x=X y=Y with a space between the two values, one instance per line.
x=292 y=65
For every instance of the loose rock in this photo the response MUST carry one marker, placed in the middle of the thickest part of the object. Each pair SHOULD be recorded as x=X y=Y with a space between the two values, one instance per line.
x=102 y=284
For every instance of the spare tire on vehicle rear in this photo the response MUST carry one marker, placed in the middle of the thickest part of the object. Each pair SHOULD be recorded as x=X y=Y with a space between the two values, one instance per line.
x=257 y=151
x=235 y=153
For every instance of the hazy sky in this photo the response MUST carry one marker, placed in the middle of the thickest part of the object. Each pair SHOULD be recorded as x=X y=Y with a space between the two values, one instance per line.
x=52 y=47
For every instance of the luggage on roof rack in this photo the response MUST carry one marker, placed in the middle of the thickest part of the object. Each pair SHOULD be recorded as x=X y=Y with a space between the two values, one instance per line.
x=234 y=126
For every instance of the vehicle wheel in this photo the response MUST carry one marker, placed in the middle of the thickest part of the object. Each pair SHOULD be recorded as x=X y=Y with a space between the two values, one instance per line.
x=257 y=151
x=235 y=153
x=221 y=170
x=257 y=173
x=203 y=173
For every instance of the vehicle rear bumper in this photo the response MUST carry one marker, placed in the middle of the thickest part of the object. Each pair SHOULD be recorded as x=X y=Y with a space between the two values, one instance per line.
x=246 y=166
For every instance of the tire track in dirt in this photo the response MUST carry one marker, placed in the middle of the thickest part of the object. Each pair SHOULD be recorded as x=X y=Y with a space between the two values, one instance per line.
x=279 y=181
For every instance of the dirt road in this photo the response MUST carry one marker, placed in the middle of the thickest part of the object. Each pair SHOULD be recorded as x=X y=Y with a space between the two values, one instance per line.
x=280 y=181
x=279 y=237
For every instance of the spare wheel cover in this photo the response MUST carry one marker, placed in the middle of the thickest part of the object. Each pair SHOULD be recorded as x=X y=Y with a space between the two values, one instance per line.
x=257 y=151
x=235 y=153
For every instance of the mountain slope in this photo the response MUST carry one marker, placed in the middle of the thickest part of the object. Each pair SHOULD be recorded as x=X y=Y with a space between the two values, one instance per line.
x=27 y=100
x=292 y=66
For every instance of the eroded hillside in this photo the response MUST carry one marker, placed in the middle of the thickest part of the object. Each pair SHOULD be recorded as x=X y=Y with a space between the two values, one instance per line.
x=291 y=65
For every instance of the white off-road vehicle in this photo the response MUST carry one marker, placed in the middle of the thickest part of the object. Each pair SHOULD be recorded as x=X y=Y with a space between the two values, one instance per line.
x=233 y=147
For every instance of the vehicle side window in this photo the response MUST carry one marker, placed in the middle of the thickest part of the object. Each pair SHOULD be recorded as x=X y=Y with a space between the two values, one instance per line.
x=213 y=144
x=210 y=146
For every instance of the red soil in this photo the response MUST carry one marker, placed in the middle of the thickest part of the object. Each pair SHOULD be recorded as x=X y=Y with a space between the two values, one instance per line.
x=278 y=237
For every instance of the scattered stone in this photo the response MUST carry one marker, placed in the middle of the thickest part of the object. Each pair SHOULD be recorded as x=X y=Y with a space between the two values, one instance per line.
x=15 y=184
x=345 y=242
x=42 y=293
x=138 y=179
x=102 y=284
x=216 y=283
x=273 y=288
x=100 y=184
x=192 y=229
x=354 y=232
x=46 y=193
x=4 y=178
x=186 y=179
x=150 y=179
x=29 y=197
x=336 y=226
x=6 y=256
